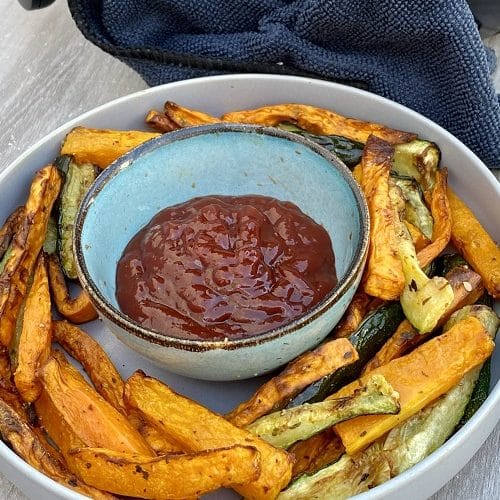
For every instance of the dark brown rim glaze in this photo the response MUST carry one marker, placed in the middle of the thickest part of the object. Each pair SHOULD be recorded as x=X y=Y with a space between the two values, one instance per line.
x=116 y=316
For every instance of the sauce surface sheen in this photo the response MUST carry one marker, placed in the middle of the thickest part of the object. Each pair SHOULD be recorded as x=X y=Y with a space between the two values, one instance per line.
x=225 y=266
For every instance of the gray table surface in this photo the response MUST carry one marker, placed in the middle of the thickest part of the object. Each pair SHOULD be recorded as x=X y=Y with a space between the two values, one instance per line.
x=49 y=73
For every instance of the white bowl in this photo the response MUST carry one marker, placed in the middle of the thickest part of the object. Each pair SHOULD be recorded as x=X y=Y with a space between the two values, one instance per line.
x=468 y=176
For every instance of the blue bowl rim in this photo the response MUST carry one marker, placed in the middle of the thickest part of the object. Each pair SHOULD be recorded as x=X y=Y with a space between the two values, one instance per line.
x=156 y=337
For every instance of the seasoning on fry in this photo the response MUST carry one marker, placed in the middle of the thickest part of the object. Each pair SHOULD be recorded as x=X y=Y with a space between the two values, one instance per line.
x=304 y=370
x=27 y=243
x=475 y=244
x=36 y=335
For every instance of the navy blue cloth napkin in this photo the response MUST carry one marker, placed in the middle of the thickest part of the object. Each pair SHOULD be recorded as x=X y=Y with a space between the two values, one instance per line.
x=425 y=54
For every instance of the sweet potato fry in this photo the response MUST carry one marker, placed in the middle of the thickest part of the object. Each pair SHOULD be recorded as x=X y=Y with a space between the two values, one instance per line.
x=383 y=277
x=420 y=241
x=160 y=121
x=475 y=244
x=16 y=431
x=9 y=228
x=5 y=369
x=106 y=379
x=102 y=147
x=77 y=310
x=303 y=371
x=166 y=477
x=440 y=210
x=75 y=415
x=196 y=428
x=26 y=246
x=35 y=341
x=420 y=377
x=353 y=316
x=185 y=117
x=318 y=121
x=96 y=363
x=317 y=452
x=157 y=440
x=467 y=289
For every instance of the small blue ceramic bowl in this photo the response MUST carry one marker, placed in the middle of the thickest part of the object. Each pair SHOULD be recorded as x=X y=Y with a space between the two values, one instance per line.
x=224 y=159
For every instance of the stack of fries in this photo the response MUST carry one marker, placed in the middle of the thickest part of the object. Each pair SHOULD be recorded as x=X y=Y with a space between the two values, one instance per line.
x=106 y=436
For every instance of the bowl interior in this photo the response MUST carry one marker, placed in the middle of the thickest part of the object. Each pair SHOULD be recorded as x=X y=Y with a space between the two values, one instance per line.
x=228 y=160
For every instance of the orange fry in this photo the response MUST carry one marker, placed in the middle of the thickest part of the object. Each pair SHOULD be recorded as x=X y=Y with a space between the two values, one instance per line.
x=475 y=244
x=75 y=415
x=27 y=244
x=36 y=335
x=353 y=316
x=441 y=213
x=169 y=476
x=383 y=276
x=420 y=377
x=196 y=428
x=303 y=371
x=185 y=117
x=78 y=309
x=318 y=121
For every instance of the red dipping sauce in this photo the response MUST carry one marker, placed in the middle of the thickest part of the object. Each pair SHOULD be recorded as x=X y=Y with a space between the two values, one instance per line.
x=220 y=267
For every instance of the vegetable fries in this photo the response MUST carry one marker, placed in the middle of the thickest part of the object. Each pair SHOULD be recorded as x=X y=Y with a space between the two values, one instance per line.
x=335 y=422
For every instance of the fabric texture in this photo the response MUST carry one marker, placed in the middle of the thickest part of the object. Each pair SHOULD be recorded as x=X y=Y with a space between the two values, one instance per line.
x=427 y=55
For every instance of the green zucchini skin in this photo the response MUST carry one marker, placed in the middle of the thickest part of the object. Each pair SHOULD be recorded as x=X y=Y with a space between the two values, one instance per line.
x=418 y=159
x=50 y=243
x=5 y=257
x=282 y=428
x=491 y=322
x=416 y=210
x=479 y=394
x=445 y=263
x=348 y=151
x=367 y=339
x=78 y=179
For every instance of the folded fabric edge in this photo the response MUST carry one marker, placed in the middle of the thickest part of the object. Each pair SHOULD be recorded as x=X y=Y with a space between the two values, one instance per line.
x=213 y=65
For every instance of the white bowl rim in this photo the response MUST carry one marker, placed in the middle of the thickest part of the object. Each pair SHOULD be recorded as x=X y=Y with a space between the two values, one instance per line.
x=453 y=445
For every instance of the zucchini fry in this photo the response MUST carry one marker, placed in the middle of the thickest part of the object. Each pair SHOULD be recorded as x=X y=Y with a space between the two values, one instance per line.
x=77 y=310
x=424 y=300
x=36 y=335
x=368 y=338
x=27 y=243
x=318 y=121
x=77 y=180
x=349 y=476
x=303 y=371
x=475 y=244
